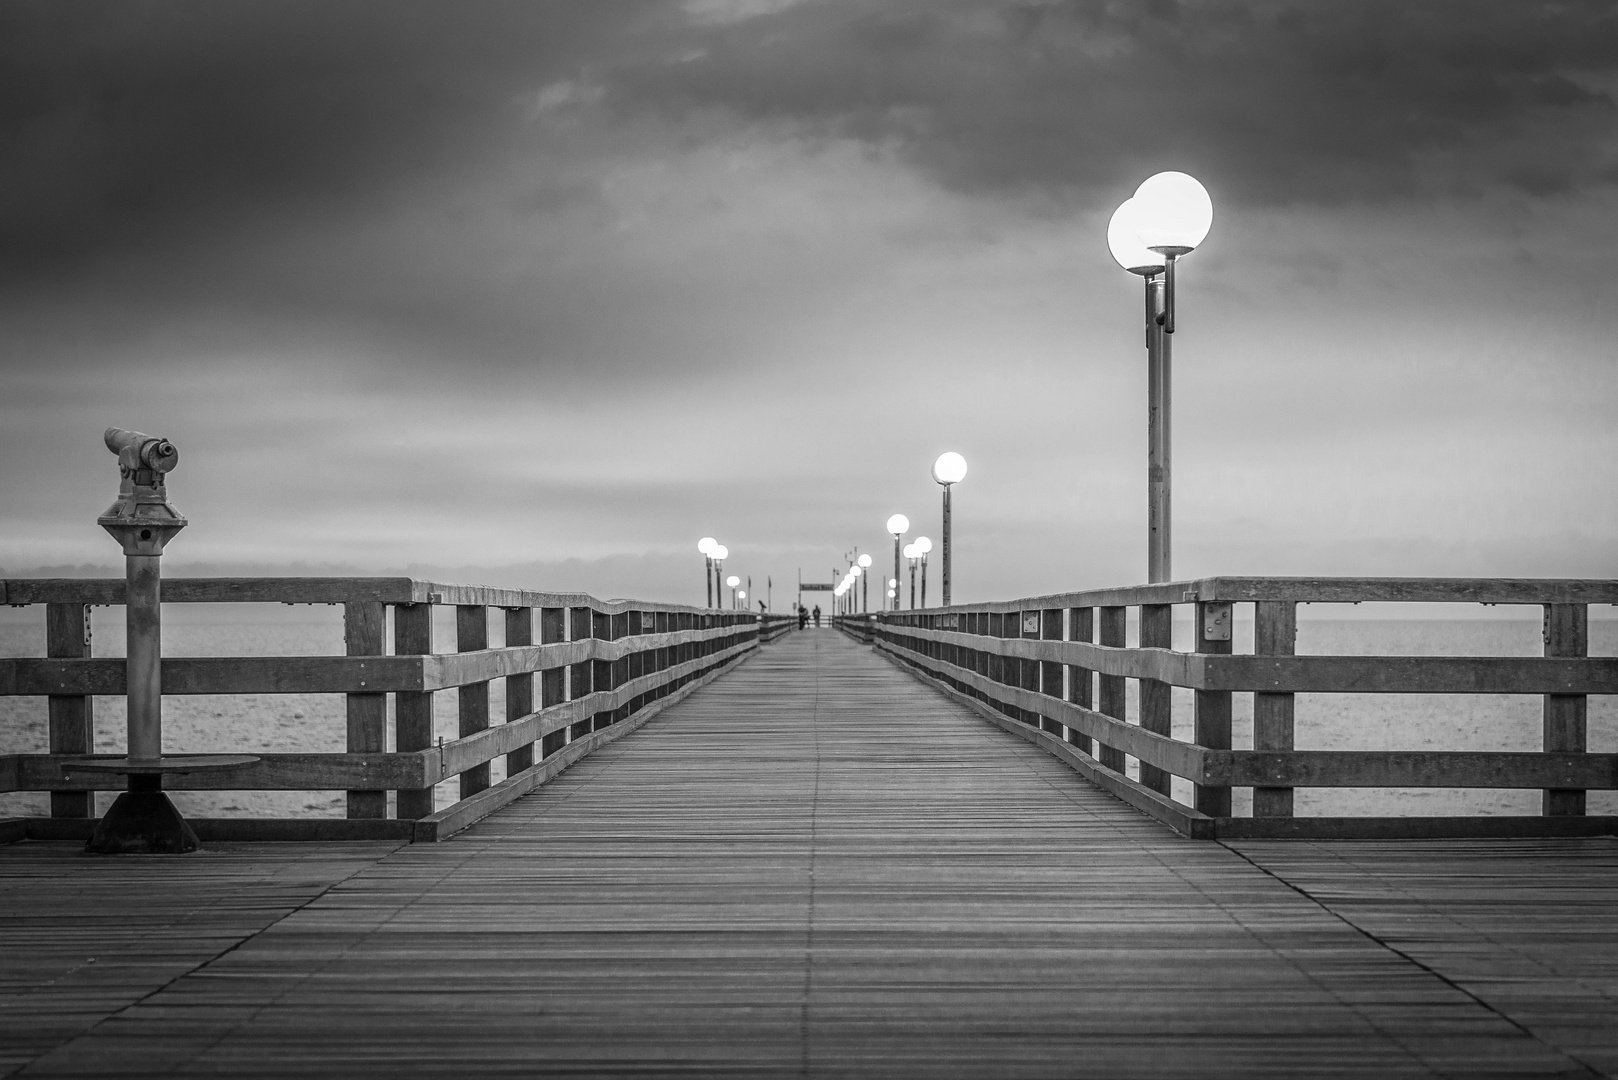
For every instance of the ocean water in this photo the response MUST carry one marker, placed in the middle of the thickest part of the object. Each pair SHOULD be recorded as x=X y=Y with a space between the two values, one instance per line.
x=306 y=723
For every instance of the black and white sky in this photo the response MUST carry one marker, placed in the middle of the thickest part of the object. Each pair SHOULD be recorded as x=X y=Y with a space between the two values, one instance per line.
x=490 y=286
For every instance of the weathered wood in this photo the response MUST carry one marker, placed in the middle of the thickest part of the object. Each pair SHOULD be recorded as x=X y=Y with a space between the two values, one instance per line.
x=468 y=811
x=1411 y=768
x=364 y=634
x=1080 y=680
x=238 y=830
x=1567 y=633
x=1110 y=695
x=1213 y=628
x=1156 y=702
x=1345 y=590
x=271 y=772
x=1313 y=674
x=413 y=709
x=519 y=688
x=472 y=698
x=1275 y=633
x=71 y=718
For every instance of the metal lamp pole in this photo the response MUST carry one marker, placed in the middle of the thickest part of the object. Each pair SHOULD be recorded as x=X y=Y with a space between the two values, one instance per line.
x=948 y=470
x=898 y=525
x=1168 y=216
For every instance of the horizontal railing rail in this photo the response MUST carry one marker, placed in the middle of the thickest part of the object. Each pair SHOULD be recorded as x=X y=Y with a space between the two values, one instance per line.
x=1056 y=669
x=577 y=671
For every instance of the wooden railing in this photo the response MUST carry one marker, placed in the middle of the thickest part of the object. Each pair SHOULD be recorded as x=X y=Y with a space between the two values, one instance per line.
x=1055 y=669
x=578 y=672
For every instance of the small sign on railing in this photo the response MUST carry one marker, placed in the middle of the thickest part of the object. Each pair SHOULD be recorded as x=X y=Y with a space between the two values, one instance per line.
x=951 y=621
x=1030 y=623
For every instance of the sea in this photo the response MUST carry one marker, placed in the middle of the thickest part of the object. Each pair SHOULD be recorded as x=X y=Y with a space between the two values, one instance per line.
x=310 y=723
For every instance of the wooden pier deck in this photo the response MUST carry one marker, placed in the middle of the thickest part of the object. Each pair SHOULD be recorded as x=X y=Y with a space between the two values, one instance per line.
x=815 y=867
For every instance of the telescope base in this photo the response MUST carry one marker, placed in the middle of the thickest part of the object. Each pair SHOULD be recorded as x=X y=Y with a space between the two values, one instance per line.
x=142 y=821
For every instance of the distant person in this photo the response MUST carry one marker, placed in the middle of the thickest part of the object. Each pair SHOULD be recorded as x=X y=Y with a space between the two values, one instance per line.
x=817 y=616
x=803 y=616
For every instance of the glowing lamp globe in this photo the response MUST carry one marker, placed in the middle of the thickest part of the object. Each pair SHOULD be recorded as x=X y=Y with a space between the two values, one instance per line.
x=898 y=524
x=865 y=561
x=893 y=583
x=733 y=581
x=854 y=571
x=706 y=545
x=1173 y=213
x=720 y=552
x=922 y=545
x=950 y=468
x=741 y=596
x=1125 y=244
x=890 y=594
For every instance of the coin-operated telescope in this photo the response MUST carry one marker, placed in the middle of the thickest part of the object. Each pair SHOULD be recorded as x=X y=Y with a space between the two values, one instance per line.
x=142 y=819
x=142 y=520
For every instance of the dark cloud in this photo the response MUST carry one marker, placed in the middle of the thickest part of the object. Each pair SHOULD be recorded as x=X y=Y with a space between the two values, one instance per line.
x=138 y=124
x=1278 y=103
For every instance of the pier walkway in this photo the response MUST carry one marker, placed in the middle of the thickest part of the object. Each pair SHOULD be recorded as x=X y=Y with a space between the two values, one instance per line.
x=814 y=866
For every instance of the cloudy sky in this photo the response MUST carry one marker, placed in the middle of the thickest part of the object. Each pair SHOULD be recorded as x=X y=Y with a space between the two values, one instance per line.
x=547 y=291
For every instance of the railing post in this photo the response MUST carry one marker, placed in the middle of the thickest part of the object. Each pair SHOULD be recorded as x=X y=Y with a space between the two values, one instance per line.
x=1156 y=700
x=1050 y=672
x=1275 y=633
x=1214 y=627
x=413 y=709
x=1567 y=633
x=519 y=688
x=472 y=634
x=1080 y=627
x=552 y=681
x=364 y=634
x=1112 y=702
x=579 y=676
x=72 y=718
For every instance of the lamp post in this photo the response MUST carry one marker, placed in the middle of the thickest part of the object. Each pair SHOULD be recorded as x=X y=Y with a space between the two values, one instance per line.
x=911 y=556
x=923 y=546
x=948 y=470
x=865 y=587
x=898 y=525
x=706 y=546
x=720 y=553
x=733 y=581
x=1168 y=216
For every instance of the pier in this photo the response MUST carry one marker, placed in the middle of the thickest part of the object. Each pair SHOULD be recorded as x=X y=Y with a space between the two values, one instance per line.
x=814 y=864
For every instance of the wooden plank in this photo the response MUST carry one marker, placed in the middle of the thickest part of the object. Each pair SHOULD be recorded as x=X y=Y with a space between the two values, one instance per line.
x=244 y=830
x=1314 y=674
x=71 y=718
x=472 y=698
x=1316 y=590
x=413 y=709
x=1275 y=633
x=519 y=688
x=272 y=772
x=365 y=626
x=1567 y=633
x=1110 y=697
x=1213 y=625
x=1411 y=768
x=1503 y=827
x=1156 y=703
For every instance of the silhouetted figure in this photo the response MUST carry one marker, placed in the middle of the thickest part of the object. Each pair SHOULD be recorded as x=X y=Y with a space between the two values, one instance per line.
x=817 y=616
x=803 y=616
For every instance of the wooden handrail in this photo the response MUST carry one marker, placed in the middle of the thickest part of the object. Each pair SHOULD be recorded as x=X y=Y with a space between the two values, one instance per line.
x=1028 y=665
x=581 y=673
